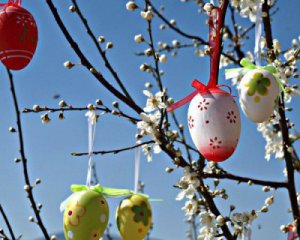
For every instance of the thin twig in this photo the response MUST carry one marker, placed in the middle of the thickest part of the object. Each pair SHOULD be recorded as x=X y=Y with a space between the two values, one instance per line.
x=24 y=160
x=175 y=28
x=102 y=53
x=240 y=179
x=12 y=235
x=171 y=48
x=86 y=63
x=155 y=57
x=235 y=38
x=112 y=151
x=70 y=108
x=182 y=137
x=189 y=36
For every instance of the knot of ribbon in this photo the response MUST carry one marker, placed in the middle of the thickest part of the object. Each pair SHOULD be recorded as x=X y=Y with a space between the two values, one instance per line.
x=11 y=3
x=200 y=89
x=104 y=191
x=247 y=66
x=215 y=22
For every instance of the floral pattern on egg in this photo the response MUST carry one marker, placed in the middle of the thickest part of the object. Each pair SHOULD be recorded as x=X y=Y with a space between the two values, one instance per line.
x=215 y=130
x=86 y=216
x=258 y=93
x=134 y=217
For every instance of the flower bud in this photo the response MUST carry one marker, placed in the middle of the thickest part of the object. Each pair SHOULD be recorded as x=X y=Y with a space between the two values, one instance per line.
x=131 y=6
x=68 y=65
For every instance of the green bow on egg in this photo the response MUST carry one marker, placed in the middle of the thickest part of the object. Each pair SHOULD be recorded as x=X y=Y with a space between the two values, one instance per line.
x=104 y=191
x=248 y=66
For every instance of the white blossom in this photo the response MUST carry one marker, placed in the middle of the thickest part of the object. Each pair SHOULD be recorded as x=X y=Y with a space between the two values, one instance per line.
x=247 y=8
x=276 y=46
x=189 y=184
x=207 y=233
x=148 y=15
x=154 y=102
x=273 y=138
x=149 y=123
x=190 y=207
x=207 y=218
x=147 y=150
x=163 y=58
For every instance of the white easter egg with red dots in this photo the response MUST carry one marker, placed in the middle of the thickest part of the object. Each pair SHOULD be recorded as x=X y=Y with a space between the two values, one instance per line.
x=214 y=123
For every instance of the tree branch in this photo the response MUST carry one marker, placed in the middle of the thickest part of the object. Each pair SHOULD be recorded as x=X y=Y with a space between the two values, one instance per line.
x=85 y=62
x=176 y=29
x=180 y=32
x=240 y=179
x=12 y=235
x=213 y=207
x=283 y=124
x=70 y=108
x=24 y=159
x=112 y=151
x=101 y=52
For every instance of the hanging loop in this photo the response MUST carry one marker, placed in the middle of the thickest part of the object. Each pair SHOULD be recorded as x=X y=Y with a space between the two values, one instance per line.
x=11 y=3
x=215 y=27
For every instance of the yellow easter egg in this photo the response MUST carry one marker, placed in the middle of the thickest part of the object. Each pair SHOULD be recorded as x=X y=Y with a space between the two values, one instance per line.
x=134 y=217
x=86 y=216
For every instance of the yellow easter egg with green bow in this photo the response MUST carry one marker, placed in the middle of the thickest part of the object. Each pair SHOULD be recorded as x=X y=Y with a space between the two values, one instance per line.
x=134 y=217
x=86 y=216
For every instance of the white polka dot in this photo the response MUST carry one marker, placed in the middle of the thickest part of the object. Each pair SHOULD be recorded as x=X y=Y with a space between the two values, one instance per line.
x=103 y=218
x=70 y=234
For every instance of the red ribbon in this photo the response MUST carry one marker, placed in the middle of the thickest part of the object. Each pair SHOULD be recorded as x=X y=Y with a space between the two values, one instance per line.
x=201 y=89
x=11 y=3
x=215 y=27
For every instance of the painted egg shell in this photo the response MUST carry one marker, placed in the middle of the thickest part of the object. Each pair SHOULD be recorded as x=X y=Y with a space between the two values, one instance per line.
x=86 y=216
x=18 y=37
x=258 y=94
x=214 y=123
x=134 y=217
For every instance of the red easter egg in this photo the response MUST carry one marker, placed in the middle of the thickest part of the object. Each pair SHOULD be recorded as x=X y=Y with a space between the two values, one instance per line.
x=18 y=37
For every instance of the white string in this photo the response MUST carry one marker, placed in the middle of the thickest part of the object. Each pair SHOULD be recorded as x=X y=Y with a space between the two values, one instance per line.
x=258 y=33
x=92 y=122
x=137 y=169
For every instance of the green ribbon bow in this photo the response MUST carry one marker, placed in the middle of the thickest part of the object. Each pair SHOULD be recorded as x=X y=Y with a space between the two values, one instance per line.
x=248 y=66
x=104 y=191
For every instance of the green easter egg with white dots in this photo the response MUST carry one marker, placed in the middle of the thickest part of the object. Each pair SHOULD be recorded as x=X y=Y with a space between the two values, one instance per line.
x=134 y=217
x=86 y=216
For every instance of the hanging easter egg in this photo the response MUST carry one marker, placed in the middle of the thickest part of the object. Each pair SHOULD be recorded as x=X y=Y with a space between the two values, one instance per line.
x=18 y=37
x=258 y=94
x=214 y=124
x=134 y=217
x=86 y=216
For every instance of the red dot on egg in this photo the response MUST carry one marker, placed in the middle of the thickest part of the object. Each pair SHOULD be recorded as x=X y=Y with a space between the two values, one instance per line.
x=70 y=213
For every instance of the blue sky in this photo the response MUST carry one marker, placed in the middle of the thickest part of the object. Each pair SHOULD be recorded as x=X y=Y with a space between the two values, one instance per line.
x=48 y=147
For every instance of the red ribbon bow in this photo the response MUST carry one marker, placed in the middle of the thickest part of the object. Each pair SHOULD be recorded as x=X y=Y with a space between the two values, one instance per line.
x=216 y=19
x=11 y=3
x=201 y=89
